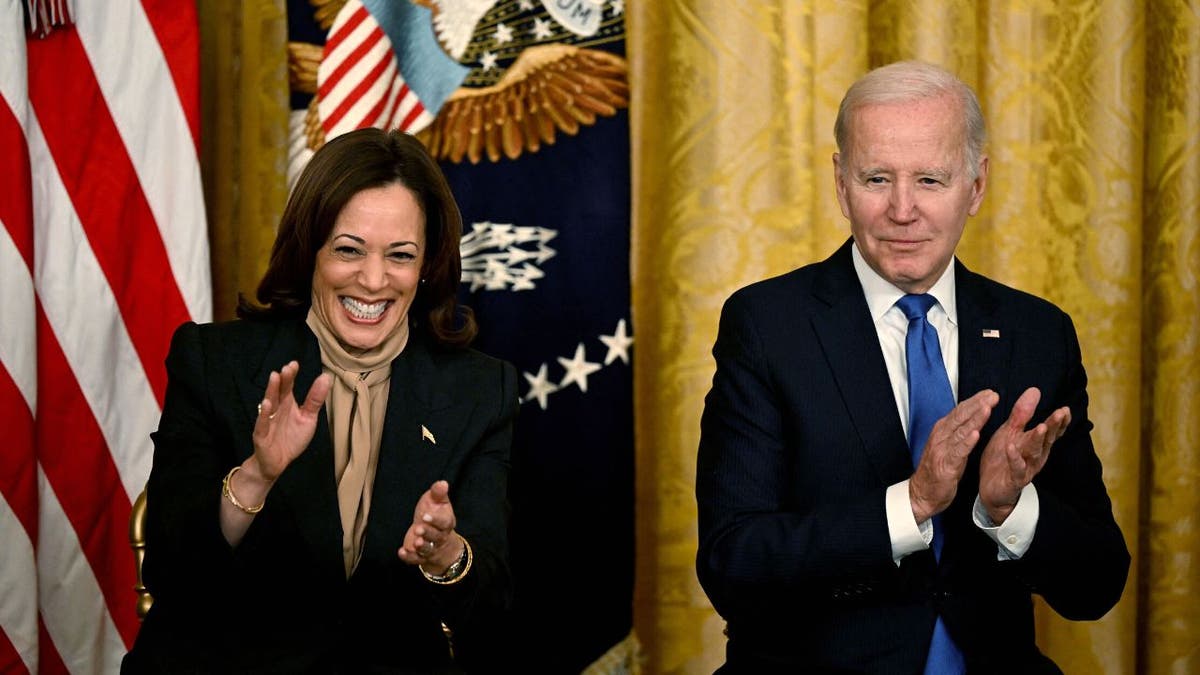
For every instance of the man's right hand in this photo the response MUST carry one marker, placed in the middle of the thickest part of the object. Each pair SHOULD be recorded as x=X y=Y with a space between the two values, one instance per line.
x=935 y=482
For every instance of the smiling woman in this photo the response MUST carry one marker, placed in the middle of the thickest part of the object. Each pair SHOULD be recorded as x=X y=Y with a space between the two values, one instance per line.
x=346 y=174
x=335 y=464
x=366 y=276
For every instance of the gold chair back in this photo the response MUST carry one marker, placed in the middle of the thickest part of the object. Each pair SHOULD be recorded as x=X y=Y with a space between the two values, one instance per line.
x=137 y=541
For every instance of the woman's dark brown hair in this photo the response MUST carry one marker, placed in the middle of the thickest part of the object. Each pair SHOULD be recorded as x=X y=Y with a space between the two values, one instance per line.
x=343 y=167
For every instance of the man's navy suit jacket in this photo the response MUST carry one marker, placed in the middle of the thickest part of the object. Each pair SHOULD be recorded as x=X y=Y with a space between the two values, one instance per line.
x=800 y=439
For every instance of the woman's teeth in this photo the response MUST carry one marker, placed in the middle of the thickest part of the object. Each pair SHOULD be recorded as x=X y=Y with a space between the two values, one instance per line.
x=362 y=310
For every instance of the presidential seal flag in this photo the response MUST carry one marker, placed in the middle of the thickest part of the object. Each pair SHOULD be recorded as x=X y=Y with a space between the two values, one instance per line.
x=536 y=147
x=103 y=252
x=533 y=136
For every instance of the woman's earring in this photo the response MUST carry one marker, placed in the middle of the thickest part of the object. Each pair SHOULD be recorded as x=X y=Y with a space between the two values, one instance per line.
x=422 y=280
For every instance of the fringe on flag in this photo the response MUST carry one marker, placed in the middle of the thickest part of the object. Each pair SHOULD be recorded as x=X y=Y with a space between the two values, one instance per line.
x=43 y=16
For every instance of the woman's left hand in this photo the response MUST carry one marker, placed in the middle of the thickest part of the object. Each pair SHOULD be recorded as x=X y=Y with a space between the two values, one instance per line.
x=431 y=541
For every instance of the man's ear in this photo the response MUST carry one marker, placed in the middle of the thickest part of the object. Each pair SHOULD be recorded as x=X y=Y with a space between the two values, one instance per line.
x=979 y=186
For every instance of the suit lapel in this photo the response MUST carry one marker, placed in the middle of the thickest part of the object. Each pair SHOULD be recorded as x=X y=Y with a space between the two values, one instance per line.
x=307 y=487
x=984 y=345
x=409 y=460
x=851 y=345
x=290 y=340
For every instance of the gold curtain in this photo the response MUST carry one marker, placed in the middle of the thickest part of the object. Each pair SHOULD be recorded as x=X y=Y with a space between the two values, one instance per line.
x=1094 y=200
x=243 y=154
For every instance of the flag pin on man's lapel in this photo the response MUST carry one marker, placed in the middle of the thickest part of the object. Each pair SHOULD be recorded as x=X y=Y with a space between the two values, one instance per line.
x=991 y=333
x=427 y=435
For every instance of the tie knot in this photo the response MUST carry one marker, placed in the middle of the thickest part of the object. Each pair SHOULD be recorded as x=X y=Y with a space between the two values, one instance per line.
x=916 y=306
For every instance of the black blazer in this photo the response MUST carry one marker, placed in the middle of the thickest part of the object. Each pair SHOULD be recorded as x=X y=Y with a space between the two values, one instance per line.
x=280 y=602
x=800 y=439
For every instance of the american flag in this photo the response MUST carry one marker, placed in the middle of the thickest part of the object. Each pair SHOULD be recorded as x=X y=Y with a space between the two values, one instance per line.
x=103 y=252
x=360 y=83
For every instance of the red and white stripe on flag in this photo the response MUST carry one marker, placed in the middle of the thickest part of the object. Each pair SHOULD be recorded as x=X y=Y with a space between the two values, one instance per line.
x=103 y=252
x=359 y=83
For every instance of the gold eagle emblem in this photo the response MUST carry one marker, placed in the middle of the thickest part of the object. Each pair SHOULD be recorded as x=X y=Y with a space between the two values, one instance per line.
x=551 y=87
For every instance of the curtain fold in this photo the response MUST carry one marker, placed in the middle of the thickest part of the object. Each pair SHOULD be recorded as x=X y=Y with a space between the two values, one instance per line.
x=1093 y=117
x=244 y=109
x=1168 y=615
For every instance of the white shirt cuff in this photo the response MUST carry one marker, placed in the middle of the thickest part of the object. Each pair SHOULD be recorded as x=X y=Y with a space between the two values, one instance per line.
x=907 y=536
x=1014 y=536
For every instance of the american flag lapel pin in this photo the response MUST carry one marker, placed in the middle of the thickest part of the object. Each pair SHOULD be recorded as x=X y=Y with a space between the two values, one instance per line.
x=991 y=332
x=427 y=435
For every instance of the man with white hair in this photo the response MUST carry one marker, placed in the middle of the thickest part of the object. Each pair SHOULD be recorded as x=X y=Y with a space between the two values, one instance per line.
x=896 y=453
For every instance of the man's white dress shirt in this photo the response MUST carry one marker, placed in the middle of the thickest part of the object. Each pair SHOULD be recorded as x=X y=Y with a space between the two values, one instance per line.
x=1014 y=536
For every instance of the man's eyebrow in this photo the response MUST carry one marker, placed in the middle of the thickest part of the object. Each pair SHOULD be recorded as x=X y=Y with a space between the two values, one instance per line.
x=872 y=171
x=942 y=174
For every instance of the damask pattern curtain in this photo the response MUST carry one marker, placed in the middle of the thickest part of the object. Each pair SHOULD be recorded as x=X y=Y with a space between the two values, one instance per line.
x=1093 y=202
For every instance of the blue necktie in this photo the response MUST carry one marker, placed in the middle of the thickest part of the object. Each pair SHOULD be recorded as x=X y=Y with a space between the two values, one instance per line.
x=929 y=399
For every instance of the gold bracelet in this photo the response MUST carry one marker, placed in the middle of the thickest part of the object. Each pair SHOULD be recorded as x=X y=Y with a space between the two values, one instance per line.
x=227 y=493
x=457 y=571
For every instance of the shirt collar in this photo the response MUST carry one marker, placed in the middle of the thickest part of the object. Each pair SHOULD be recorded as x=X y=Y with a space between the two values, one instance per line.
x=882 y=295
